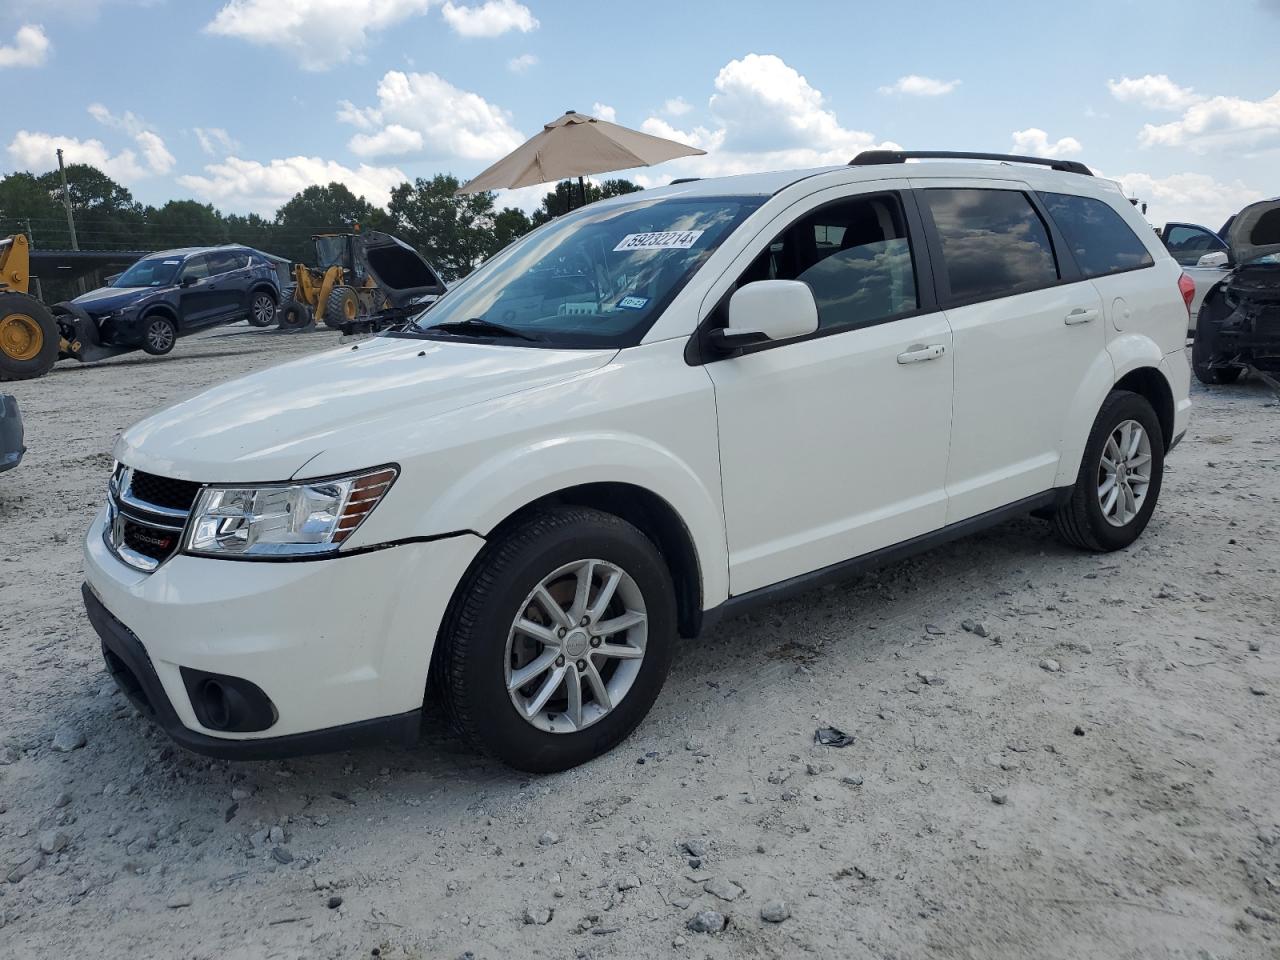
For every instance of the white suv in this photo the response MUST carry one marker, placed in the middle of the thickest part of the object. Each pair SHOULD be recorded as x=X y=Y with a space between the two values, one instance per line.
x=639 y=419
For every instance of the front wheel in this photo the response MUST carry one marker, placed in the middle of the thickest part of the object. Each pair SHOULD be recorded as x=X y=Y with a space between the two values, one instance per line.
x=159 y=336
x=558 y=640
x=1119 y=481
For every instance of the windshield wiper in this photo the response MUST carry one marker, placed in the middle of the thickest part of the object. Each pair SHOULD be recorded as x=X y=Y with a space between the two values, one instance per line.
x=477 y=327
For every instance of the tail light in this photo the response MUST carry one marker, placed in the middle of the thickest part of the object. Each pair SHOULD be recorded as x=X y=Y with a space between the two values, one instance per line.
x=1187 y=287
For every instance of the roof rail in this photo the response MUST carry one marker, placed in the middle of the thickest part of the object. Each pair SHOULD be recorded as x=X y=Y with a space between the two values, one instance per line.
x=869 y=157
x=684 y=180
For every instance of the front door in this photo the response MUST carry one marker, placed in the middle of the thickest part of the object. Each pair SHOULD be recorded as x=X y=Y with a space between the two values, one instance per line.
x=835 y=445
x=198 y=295
x=1026 y=331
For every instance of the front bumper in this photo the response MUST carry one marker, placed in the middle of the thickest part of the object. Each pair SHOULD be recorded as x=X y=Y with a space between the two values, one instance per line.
x=340 y=646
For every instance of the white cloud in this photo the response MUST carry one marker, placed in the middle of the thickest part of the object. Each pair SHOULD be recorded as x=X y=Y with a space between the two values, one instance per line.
x=36 y=151
x=522 y=63
x=914 y=85
x=391 y=139
x=676 y=107
x=30 y=47
x=448 y=122
x=319 y=33
x=237 y=184
x=1154 y=90
x=154 y=152
x=1035 y=142
x=490 y=19
x=1218 y=122
x=215 y=140
x=1188 y=197
x=602 y=111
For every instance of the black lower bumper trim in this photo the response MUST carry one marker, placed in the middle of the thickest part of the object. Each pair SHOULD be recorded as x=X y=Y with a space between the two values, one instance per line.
x=131 y=667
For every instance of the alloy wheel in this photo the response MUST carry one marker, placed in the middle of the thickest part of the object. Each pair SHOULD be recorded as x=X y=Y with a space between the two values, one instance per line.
x=160 y=336
x=264 y=310
x=576 y=646
x=1124 y=473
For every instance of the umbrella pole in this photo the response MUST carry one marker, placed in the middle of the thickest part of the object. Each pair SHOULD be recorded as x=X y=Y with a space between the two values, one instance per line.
x=582 y=190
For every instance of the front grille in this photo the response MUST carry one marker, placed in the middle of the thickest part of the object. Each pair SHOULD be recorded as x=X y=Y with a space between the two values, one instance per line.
x=146 y=517
x=163 y=492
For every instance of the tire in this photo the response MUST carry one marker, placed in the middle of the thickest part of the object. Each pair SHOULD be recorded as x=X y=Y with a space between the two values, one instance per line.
x=29 y=337
x=159 y=335
x=1081 y=521
x=294 y=316
x=262 y=309
x=1203 y=353
x=479 y=647
x=342 y=307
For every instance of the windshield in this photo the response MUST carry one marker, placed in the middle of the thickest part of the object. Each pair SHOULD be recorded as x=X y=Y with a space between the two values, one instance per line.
x=596 y=277
x=152 y=272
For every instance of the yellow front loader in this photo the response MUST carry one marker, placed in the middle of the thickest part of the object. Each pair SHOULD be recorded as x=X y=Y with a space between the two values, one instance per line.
x=30 y=341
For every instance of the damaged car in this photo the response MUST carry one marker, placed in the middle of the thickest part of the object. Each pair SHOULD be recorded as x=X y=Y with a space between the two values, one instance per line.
x=1239 y=323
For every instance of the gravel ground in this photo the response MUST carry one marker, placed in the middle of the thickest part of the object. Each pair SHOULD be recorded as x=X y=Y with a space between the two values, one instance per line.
x=1088 y=768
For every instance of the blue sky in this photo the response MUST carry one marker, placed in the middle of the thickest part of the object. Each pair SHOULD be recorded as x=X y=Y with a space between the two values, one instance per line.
x=243 y=102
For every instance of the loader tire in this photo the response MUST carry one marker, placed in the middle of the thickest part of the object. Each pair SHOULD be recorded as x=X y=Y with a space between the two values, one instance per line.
x=28 y=337
x=343 y=307
x=294 y=316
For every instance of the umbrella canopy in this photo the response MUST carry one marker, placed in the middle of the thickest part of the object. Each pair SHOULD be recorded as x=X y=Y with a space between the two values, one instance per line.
x=576 y=145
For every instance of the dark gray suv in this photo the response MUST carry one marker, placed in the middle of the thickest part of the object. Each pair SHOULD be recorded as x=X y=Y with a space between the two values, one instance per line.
x=168 y=295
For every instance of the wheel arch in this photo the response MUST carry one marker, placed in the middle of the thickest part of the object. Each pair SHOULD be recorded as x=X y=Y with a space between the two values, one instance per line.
x=162 y=309
x=1150 y=382
x=264 y=286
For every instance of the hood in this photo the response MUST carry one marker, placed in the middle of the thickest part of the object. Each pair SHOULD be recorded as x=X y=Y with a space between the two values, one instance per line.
x=268 y=425
x=106 y=299
x=399 y=269
x=1255 y=232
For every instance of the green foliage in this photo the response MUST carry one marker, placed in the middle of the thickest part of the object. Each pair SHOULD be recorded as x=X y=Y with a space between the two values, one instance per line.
x=455 y=233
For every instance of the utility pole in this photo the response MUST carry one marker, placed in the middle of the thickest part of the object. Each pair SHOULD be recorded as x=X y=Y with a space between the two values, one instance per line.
x=66 y=203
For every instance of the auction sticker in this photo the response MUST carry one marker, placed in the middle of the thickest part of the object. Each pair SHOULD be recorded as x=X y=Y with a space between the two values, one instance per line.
x=633 y=303
x=668 y=240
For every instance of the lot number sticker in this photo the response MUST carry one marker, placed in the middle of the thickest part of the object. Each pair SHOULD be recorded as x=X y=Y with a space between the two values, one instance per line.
x=633 y=303
x=669 y=240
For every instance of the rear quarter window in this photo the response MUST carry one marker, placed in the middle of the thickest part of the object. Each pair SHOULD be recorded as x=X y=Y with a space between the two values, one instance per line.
x=1098 y=236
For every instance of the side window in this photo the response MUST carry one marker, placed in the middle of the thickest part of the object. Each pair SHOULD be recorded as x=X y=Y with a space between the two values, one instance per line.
x=1098 y=236
x=994 y=243
x=196 y=268
x=853 y=254
x=1188 y=243
x=224 y=262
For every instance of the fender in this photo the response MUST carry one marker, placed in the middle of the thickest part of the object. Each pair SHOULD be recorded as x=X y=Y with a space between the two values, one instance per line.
x=1125 y=353
x=497 y=488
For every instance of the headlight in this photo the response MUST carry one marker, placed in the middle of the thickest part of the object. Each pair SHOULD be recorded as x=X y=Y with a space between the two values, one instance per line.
x=287 y=519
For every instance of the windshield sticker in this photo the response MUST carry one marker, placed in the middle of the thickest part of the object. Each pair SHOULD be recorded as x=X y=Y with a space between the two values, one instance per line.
x=633 y=303
x=668 y=240
x=172 y=263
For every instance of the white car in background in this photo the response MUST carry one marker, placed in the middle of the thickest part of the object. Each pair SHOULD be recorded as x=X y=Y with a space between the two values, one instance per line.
x=1202 y=254
x=641 y=418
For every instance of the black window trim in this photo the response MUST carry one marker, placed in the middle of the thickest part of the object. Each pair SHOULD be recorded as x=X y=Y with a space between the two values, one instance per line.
x=1065 y=261
x=696 y=351
x=1071 y=253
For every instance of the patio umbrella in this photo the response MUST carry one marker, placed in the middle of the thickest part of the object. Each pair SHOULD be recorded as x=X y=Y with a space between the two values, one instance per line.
x=576 y=145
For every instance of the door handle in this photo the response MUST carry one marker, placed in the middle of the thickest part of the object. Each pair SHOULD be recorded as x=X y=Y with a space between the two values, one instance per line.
x=919 y=352
x=1080 y=315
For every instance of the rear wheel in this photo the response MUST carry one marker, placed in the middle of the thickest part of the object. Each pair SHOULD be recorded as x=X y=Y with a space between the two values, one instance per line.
x=262 y=310
x=558 y=640
x=159 y=336
x=1120 y=474
x=343 y=306
x=28 y=337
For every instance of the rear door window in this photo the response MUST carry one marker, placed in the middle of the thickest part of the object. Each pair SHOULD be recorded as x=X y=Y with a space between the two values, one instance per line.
x=994 y=243
x=1098 y=236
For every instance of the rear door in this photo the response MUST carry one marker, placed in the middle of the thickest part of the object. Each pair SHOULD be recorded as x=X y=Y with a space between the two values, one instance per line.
x=1026 y=327
x=229 y=285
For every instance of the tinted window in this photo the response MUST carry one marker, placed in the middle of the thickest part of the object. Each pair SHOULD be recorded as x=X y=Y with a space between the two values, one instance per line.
x=154 y=272
x=226 y=261
x=1098 y=236
x=854 y=255
x=1188 y=243
x=994 y=244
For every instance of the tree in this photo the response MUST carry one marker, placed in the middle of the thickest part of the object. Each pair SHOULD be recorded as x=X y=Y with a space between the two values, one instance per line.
x=454 y=233
x=567 y=196
x=184 y=223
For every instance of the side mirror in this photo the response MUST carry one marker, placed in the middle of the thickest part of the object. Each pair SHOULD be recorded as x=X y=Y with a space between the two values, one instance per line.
x=1216 y=259
x=187 y=281
x=767 y=310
